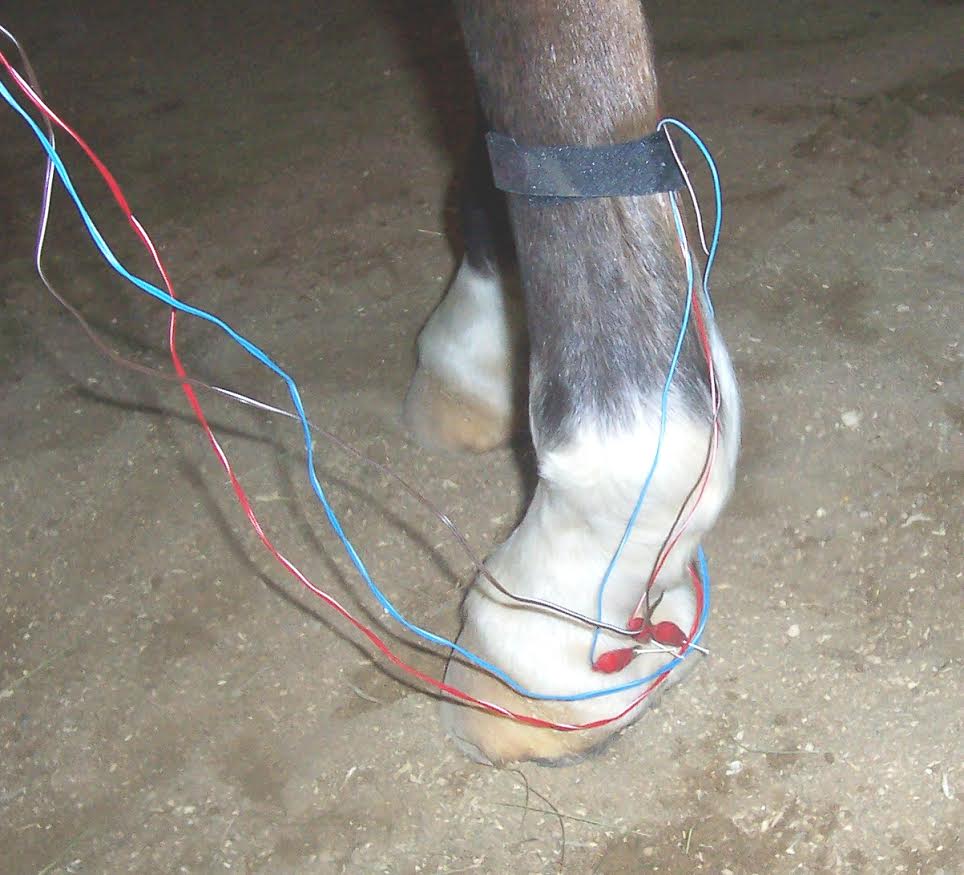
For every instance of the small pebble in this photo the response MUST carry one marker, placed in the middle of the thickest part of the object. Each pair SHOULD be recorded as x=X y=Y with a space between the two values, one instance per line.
x=850 y=418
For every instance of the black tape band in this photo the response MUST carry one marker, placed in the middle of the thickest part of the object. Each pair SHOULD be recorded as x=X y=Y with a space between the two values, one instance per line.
x=642 y=167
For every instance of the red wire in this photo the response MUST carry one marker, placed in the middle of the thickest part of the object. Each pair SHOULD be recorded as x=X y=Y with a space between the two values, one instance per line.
x=242 y=497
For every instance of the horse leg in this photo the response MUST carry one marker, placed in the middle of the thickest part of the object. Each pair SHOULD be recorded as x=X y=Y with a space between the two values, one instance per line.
x=467 y=390
x=604 y=290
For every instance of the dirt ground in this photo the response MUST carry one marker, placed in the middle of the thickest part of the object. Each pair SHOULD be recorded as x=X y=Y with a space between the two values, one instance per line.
x=170 y=701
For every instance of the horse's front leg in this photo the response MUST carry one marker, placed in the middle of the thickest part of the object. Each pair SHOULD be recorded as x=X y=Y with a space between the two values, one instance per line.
x=605 y=290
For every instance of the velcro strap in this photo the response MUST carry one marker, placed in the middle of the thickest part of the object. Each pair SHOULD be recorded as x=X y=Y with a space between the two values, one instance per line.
x=642 y=167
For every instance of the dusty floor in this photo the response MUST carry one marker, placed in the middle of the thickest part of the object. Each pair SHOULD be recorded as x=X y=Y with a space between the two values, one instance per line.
x=171 y=702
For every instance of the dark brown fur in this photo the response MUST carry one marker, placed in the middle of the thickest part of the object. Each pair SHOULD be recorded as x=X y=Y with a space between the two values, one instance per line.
x=604 y=285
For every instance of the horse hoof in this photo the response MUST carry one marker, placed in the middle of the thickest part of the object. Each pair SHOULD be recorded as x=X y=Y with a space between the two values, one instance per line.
x=466 y=392
x=558 y=554
x=499 y=741
x=441 y=418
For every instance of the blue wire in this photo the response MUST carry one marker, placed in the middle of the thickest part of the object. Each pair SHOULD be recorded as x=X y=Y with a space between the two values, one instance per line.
x=663 y=416
x=319 y=491
x=664 y=400
x=717 y=202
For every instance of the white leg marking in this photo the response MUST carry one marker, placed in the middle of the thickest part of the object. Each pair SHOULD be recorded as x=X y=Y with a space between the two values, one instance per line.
x=469 y=341
x=560 y=550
